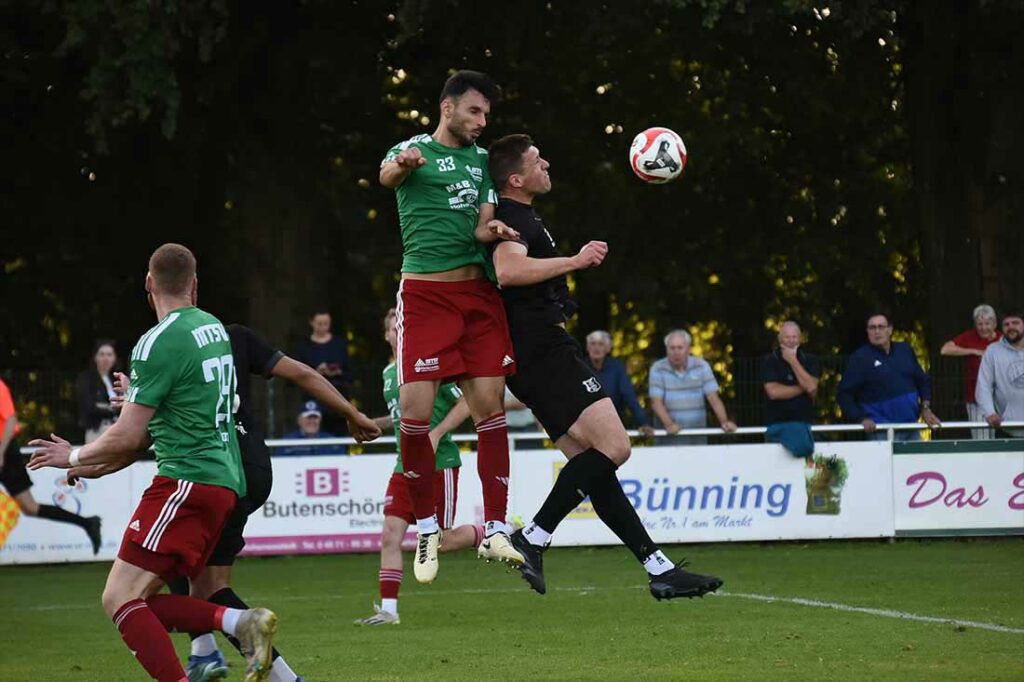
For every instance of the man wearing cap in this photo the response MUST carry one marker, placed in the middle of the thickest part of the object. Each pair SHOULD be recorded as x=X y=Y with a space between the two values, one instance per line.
x=309 y=421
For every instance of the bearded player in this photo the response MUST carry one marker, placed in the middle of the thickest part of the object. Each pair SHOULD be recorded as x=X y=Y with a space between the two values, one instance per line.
x=556 y=382
x=449 y=412
x=451 y=324
x=181 y=398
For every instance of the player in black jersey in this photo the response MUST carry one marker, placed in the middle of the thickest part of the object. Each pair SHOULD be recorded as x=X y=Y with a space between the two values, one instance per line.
x=254 y=356
x=555 y=381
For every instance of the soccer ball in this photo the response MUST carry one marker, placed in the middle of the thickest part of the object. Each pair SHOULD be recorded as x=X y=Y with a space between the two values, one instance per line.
x=657 y=155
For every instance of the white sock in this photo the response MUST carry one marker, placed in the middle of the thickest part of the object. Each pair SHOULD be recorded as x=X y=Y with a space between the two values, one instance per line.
x=427 y=526
x=492 y=527
x=204 y=645
x=230 y=620
x=389 y=606
x=536 y=535
x=658 y=563
x=281 y=672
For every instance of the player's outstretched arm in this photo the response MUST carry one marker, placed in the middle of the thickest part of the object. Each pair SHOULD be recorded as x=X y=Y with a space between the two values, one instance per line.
x=393 y=173
x=515 y=269
x=313 y=383
x=455 y=417
x=128 y=435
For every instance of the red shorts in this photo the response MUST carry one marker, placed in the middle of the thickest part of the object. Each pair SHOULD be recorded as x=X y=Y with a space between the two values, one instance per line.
x=397 y=501
x=176 y=526
x=449 y=330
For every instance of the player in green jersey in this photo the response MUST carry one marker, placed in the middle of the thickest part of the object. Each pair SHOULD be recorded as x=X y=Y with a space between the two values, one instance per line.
x=180 y=400
x=450 y=321
x=449 y=412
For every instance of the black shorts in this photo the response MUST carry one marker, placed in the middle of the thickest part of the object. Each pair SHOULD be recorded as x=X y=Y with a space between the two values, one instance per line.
x=14 y=475
x=555 y=381
x=258 y=482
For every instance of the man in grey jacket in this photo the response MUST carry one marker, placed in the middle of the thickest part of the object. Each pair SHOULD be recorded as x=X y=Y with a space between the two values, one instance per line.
x=1000 y=389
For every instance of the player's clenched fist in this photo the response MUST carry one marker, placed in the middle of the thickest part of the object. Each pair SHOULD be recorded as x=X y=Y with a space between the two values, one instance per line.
x=410 y=158
x=591 y=255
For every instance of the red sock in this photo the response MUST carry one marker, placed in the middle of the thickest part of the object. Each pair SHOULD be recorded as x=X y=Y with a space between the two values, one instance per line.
x=390 y=581
x=178 y=613
x=418 y=464
x=492 y=465
x=146 y=637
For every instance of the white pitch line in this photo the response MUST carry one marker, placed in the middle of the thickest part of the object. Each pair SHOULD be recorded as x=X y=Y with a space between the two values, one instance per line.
x=799 y=601
x=884 y=613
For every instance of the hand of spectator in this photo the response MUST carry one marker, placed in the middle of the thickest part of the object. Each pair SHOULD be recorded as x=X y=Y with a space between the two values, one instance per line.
x=410 y=158
x=994 y=420
x=930 y=419
x=121 y=386
x=729 y=426
x=591 y=255
x=788 y=354
x=50 y=453
x=673 y=428
x=869 y=425
x=646 y=430
x=502 y=231
x=363 y=428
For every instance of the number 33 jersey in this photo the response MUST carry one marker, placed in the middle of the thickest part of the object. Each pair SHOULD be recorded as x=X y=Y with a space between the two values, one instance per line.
x=439 y=205
x=184 y=369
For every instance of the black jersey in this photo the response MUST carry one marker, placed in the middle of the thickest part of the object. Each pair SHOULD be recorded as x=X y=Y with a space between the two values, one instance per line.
x=535 y=307
x=253 y=355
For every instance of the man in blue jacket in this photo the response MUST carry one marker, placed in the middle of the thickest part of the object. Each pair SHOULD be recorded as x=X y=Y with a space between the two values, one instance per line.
x=884 y=384
x=615 y=380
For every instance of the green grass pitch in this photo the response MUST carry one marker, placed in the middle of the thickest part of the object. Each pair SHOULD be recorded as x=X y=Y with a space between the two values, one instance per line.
x=597 y=621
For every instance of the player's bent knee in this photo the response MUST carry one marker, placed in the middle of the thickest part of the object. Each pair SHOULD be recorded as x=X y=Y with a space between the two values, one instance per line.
x=619 y=451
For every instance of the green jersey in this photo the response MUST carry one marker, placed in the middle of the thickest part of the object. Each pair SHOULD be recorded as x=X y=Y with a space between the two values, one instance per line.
x=183 y=367
x=439 y=206
x=447 y=455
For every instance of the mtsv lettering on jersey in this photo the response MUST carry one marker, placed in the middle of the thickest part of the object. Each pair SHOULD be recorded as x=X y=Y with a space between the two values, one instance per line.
x=209 y=333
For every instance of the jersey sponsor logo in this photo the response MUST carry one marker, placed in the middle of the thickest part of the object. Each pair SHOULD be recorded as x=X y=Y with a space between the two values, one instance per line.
x=476 y=173
x=428 y=365
x=466 y=198
x=454 y=187
x=592 y=385
x=135 y=526
x=507 y=361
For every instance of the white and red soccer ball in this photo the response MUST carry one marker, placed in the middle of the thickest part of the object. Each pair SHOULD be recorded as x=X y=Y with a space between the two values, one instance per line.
x=657 y=155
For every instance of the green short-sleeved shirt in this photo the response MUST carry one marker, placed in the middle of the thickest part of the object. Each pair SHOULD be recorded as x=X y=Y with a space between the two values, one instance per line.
x=447 y=455
x=183 y=367
x=439 y=206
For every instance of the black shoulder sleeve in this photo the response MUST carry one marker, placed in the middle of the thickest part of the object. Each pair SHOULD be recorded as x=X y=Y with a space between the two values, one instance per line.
x=262 y=356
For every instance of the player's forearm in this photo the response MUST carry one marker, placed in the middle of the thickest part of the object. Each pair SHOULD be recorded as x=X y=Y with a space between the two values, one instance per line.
x=117 y=443
x=525 y=271
x=316 y=385
x=384 y=423
x=455 y=417
x=392 y=175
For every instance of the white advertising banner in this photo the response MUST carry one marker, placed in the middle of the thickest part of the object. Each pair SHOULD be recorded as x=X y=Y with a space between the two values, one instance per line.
x=730 y=492
x=959 y=492
x=327 y=505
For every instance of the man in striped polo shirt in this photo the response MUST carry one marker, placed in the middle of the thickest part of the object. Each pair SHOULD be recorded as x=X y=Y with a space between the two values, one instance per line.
x=679 y=384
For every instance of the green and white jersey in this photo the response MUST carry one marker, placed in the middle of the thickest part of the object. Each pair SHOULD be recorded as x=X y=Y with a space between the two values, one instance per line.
x=183 y=367
x=439 y=206
x=447 y=455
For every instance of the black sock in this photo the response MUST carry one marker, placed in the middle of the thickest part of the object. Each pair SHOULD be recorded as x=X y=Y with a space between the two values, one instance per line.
x=227 y=597
x=572 y=485
x=48 y=511
x=615 y=511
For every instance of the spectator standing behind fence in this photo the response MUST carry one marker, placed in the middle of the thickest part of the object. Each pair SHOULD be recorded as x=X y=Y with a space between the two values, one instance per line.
x=327 y=353
x=94 y=389
x=971 y=345
x=678 y=385
x=1000 y=389
x=790 y=377
x=310 y=420
x=884 y=384
x=615 y=380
